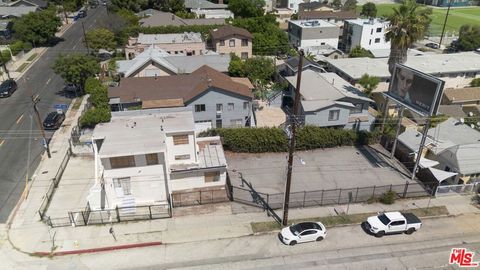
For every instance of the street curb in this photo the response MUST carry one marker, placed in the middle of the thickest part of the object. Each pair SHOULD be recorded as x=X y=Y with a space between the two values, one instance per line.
x=39 y=55
x=94 y=250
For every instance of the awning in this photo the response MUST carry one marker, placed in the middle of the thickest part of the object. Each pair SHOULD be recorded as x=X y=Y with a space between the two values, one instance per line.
x=427 y=163
x=441 y=175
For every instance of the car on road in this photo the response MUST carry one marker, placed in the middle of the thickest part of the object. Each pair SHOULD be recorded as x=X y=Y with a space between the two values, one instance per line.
x=392 y=223
x=7 y=88
x=302 y=232
x=432 y=45
x=53 y=120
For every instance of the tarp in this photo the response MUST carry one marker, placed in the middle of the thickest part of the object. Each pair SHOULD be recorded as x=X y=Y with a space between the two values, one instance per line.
x=427 y=163
x=441 y=175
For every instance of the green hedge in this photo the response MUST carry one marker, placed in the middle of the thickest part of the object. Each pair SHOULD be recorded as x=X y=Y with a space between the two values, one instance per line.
x=19 y=46
x=99 y=99
x=260 y=140
x=94 y=116
x=5 y=56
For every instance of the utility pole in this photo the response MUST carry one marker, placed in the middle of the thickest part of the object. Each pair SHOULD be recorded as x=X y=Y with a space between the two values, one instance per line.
x=85 y=38
x=422 y=145
x=35 y=100
x=4 y=65
x=65 y=13
x=291 y=149
x=445 y=23
x=399 y=124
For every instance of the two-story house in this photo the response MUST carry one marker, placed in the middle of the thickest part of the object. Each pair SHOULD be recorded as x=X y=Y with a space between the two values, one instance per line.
x=148 y=157
x=306 y=33
x=230 y=39
x=327 y=100
x=366 y=33
x=215 y=98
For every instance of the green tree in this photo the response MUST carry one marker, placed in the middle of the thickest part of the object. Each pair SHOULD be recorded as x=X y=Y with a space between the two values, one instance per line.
x=408 y=23
x=246 y=8
x=76 y=68
x=350 y=5
x=359 y=52
x=337 y=4
x=469 y=38
x=310 y=56
x=294 y=16
x=101 y=38
x=475 y=82
x=129 y=17
x=369 y=83
x=37 y=27
x=369 y=10
x=185 y=15
x=437 y=119
x=133 y=5
x=259 y=69
x=172 y=6
x=236 y=67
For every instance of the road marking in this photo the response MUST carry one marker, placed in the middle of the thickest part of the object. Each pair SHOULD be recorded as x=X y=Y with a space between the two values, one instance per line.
x=19 y=119
x=1 y=142
x=74 y=46
x=49 y=80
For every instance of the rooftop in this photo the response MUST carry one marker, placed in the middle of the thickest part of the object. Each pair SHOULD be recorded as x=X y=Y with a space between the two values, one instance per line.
x=433 y=64
x=466 y=157
x=362 y=22
x=16 y=11
x=203 y=4
x=159 y=18
x=169 y=38
x=312 y=23
x=340 y=15
x=462 y=94
x=229 y=30
x=451 y=133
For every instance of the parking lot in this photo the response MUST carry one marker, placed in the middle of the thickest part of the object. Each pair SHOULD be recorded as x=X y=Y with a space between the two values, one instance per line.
x=333 y=168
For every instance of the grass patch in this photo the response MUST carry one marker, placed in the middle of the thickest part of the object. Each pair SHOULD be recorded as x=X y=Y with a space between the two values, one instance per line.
x=332 y=221
x=22 y=67
x=33 y=56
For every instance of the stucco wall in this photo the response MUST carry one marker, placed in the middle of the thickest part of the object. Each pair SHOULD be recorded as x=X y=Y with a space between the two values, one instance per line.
x=237 y=49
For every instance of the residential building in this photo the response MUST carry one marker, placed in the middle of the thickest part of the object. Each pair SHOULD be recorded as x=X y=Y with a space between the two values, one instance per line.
x=283 y=16
x=213 y=13
x=469 y=96
x=314 y=6
x=7 y=12
x=230 y=39
x=152 y=17
x=290 y=67
x=329 y=101
x=366 y=33
x=185 y=43
x=323 y=51
x=270 y=5
x=42 y=4
x=215 y=98
x=157 y=62
x=453 y=147
x=305 y=33
x=337 y=17
x=294 y=4
x=191 y=5
x=456 y=69
x=148 y=157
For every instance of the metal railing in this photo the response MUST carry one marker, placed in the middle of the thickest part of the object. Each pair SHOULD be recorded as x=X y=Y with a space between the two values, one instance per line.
x=456 y=189
x=199 y=197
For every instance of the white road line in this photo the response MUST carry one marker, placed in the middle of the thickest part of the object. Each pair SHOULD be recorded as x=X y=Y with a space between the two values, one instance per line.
x=19 y=119
x=74 y=46
x=49 y=80
x=1 y=142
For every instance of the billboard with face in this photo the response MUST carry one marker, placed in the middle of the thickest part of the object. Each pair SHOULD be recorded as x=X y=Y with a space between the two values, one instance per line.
x=415 y=90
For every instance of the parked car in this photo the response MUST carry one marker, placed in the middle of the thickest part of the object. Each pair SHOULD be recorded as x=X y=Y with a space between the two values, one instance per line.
x=393 y=222
x=53 y=120
x=82 y=13
x=432 y=45
x=302 y=232
x=7 y=88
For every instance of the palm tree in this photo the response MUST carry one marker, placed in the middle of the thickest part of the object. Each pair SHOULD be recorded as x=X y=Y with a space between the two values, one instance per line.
x=408 y=23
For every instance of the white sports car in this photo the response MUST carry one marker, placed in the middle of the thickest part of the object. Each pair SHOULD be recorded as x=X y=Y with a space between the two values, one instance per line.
x=302 y=232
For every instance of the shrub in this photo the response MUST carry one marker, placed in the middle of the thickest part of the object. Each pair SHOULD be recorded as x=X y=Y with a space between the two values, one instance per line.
x=6 y=56
x=372 y=199
x=388 y=197
x=94 y=116
x=17 y=47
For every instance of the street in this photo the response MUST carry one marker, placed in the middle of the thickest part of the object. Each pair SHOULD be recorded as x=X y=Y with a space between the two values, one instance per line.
x=20 y=139
x=346 y=247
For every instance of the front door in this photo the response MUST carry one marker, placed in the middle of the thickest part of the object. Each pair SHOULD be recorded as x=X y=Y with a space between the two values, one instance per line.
x=307 y=236
x=396 y=226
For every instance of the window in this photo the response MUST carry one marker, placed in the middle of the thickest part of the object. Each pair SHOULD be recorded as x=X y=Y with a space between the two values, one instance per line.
x=397 y=223
x=222 y=42
x=370 y=42
x=245 y=105
x=231 y=106
x=244 y=42
x=122 y=162
x=199 y=107
x=304 y=233
x=176 y=52
x=152 y=159
x=123 y=184
x=180 y=139
x=371 y=32
x=236 y=122
x=218 y=123
x=244 y=55
x=323 y=43
x=358 y=108
x=333 y=115
x=219 y=107
x=182 y=157
x=231 y=43
x=212 y=177
x=377 y=40
x=379 y=29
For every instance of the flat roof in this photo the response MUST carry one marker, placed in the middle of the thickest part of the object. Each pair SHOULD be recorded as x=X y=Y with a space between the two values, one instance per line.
x=428 y=63
x=169 y=38
x=362 y=22
x=312 y=23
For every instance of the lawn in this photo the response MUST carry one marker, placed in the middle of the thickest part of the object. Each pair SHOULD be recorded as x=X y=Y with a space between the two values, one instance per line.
x=456 y=18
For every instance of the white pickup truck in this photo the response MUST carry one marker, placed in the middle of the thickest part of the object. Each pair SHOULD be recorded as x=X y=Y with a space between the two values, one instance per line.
x=393 y=222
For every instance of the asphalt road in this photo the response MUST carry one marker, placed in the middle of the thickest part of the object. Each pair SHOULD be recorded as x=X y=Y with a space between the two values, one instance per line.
x=20 y=139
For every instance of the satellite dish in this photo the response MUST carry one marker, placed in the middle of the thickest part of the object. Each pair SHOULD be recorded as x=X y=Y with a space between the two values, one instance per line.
x=462 y=120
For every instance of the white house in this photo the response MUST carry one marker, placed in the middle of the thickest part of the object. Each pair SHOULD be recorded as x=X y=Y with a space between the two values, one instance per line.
x=309 y=33
x=148 y=157
x=294 y=4
x=366 y=33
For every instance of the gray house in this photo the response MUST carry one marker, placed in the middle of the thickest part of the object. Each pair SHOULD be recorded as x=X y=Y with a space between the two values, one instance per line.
x=215 y=98
x=327 y=100
x=306 y=33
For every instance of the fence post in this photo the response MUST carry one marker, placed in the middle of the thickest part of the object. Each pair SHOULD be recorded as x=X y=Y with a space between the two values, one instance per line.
x=321 y=200
x=118 y=213
x=200 y=196
x=356 y=194
x=268 y=199
x=373 y=195
x=150 y=211
x=84 y=219
x=304 y=195
x=405 y=190
x=390 y=187
x=339 y=195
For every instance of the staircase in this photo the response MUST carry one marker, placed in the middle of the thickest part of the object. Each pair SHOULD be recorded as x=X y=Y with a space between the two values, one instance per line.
x=128 y=205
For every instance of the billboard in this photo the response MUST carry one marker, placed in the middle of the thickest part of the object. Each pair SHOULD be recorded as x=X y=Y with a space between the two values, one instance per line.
x=415 y=90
